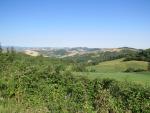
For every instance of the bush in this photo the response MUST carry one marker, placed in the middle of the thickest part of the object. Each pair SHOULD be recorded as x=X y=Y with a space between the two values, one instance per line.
x=149 y=66
x=134 y=70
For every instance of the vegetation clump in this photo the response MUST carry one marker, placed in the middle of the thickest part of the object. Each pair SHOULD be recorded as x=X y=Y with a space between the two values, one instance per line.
x=134 y=70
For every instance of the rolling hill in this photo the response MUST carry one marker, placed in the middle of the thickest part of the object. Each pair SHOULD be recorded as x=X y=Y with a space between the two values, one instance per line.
x=66 y=51
x=115 y=69
x=119 y=66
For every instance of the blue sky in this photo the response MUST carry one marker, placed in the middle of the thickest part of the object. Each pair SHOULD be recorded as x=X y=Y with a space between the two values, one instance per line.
x=74 y=23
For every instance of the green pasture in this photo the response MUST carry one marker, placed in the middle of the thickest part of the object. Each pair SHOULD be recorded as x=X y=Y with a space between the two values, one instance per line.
x=119 y=66
x=115 y=70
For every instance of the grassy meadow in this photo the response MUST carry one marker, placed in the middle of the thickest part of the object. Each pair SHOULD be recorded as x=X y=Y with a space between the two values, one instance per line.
x=115 y=69
x=119 y=66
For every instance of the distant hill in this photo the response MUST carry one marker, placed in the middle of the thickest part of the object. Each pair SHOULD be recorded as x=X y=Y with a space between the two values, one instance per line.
x=68 y=52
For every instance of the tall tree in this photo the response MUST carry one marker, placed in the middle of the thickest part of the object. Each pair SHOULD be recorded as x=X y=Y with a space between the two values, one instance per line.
x=12 y=50
x=7 y=50
x=1 y=48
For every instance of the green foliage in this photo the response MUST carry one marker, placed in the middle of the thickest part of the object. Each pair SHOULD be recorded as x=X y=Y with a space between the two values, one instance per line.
x=133 y=70
x=142 y=55
x=95 y=58
x=1 y=48
x=45 y=85
x=79 y=67
x=119 y=66
x=148 y=66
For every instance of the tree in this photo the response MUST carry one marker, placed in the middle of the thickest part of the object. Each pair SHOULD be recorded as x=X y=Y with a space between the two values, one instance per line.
x=12 y=50
x=1 y=48
x=7 y=50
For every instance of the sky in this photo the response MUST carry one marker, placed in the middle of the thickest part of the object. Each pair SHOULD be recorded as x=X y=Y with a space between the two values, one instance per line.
x=75 y=23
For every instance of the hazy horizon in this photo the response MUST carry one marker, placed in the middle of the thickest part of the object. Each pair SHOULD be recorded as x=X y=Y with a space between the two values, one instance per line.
x=59 y=47
x=75 y=23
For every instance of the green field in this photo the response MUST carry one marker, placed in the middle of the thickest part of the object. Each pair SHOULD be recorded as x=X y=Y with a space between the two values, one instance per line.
x=119 y=66
x=115 y=70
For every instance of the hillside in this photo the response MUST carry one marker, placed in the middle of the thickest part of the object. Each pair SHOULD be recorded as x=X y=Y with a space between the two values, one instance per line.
x=68 y=52
x=31 y=53
x=131 y=71
x=119 y=66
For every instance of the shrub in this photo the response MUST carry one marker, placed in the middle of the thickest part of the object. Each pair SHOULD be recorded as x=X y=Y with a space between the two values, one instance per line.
x=134 y=70
x=149 y=66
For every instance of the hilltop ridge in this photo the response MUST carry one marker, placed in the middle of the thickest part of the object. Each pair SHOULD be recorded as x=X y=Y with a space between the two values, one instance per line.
x=66 y=51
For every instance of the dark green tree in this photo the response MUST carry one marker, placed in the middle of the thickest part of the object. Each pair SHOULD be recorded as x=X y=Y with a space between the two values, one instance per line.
x=12 y=50
x=7 y=50
x=1 y=48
